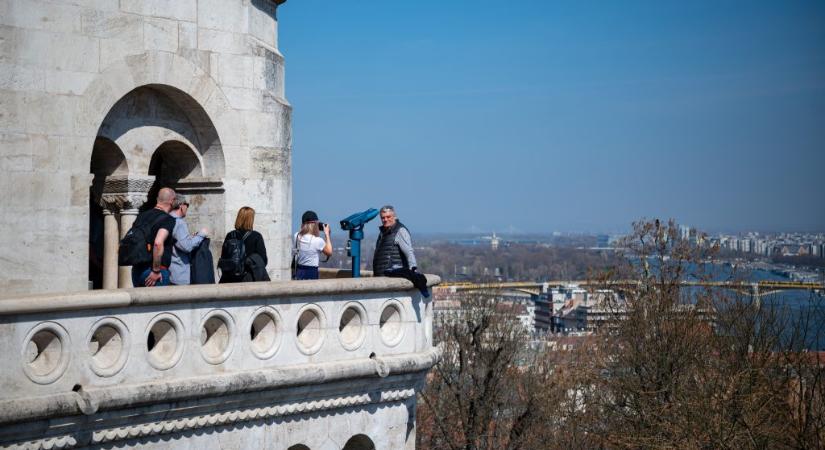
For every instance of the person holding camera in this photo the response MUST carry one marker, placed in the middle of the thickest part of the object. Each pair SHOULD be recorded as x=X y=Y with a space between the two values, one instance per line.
x=309 y=246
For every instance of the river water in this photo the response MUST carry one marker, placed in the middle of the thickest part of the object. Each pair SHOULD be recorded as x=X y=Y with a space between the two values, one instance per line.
x=797 y=303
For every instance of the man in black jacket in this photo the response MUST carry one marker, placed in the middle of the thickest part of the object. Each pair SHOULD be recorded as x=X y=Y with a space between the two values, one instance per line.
x=394 y=249
x=394 y=255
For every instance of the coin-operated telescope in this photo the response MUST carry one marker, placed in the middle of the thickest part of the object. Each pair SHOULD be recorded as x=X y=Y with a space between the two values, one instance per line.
x=355 y=225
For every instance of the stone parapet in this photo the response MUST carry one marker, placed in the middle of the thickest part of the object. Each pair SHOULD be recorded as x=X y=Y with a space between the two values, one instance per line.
x=77 y=365
x=82 y=300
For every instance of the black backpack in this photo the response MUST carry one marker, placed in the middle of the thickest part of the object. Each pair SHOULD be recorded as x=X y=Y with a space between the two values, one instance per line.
x=136 y=246
x=233 y=254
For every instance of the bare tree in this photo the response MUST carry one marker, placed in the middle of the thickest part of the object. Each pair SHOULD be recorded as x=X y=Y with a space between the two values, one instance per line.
x=674 y=367
x=493 y=388
x=695 y=368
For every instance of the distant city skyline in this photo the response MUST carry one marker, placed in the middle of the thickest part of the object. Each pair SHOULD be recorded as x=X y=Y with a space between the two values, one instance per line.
x=819 y=235
x=538 y=116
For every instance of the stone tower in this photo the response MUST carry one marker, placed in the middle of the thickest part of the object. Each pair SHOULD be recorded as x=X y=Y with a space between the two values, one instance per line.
x=104 y=101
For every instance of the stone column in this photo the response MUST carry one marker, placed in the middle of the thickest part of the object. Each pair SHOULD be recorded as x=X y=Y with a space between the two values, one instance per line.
x=110 y=244
x=128 y=193
x=127 y=219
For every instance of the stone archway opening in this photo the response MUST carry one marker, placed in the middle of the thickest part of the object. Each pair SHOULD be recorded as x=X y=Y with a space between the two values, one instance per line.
x=173 y=164
x=150 y=116
x=164 y=138
x=107 y=161
x=107 y=158
x=359 y=442
x=174 y=161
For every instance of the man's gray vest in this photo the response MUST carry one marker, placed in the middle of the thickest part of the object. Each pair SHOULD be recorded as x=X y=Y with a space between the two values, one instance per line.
x=387 y=252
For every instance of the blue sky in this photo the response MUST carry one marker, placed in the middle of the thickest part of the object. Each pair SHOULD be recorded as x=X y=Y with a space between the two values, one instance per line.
x=535 y=116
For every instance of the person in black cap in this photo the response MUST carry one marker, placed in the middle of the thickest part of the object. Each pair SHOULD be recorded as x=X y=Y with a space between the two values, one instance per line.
x=309 y=246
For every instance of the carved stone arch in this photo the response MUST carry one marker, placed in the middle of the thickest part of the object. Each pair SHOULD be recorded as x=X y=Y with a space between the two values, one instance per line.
x=359 y=442
x=149 y=116
x=174 y=76
x=142 y=103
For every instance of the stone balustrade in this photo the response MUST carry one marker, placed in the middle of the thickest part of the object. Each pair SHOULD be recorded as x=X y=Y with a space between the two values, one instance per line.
x=251 y=349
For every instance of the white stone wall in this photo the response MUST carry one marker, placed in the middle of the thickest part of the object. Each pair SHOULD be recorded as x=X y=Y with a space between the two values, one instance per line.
x=65 y=63
x=251 y=365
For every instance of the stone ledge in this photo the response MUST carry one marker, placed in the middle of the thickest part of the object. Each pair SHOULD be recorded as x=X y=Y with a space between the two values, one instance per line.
x=122 y=298
x=94 y=400
x=326 y=274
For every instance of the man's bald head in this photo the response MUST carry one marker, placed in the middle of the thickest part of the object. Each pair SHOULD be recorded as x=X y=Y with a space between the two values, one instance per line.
x=166 y=196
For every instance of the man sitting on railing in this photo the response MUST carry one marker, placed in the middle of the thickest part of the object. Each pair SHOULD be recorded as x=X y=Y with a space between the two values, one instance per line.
x=394 y=255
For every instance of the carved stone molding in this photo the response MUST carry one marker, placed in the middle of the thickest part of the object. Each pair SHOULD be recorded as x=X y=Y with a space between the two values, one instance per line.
x=192 y=186
x=224 y=418
x=128 y=183
x=121 y=203
x=125 y=193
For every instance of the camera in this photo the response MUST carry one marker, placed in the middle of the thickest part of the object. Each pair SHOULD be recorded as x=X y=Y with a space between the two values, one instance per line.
x=321 y=226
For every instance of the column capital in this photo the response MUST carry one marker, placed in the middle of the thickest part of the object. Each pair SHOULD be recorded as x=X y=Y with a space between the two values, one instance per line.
x=122 y=202
x=125 y=193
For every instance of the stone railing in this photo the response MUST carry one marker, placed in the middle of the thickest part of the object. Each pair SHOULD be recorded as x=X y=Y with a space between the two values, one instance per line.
x=91 y=352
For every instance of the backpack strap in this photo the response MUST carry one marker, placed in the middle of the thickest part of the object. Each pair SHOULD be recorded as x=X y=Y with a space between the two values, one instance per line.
x=235 y=233
x=298 y=238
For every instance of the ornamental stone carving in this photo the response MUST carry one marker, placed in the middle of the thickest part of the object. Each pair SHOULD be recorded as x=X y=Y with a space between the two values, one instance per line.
x=125 y=192
x=235 y=417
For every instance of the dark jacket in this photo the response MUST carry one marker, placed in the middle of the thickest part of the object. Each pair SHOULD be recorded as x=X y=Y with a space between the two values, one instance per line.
x=255 y=269
x=418 y=279
x=387 y=252
x=253 y=245
x=202 y=268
